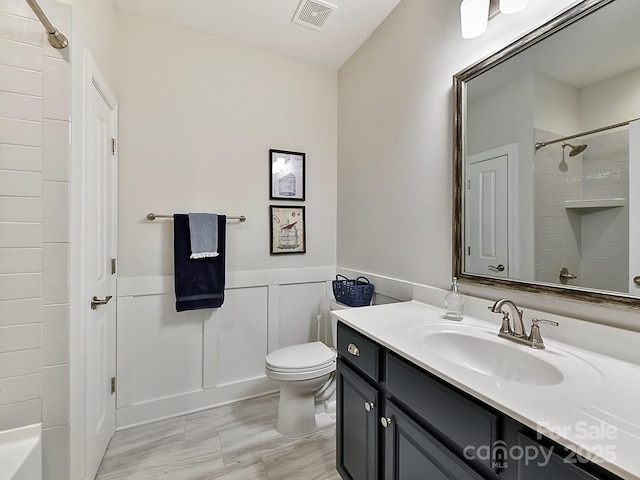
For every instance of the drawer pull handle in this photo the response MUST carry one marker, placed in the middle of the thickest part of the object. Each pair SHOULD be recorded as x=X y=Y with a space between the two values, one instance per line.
x=353 y=350
x=368 y=406
x=385 y=421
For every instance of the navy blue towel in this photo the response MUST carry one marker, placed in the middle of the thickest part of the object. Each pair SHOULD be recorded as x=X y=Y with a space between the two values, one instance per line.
x=199 y=283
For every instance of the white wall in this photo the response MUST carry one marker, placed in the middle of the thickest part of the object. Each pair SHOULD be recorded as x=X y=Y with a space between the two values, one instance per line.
x=395 y=137
x=556 y=106
x=34 y=238
x=198 y=115
x=611 y=101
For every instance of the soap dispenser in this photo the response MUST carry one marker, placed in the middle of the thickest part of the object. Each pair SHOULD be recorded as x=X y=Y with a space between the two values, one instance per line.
x=454 y=303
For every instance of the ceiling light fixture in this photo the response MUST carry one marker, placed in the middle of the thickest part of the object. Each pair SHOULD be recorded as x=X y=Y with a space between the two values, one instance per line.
x=474 y=16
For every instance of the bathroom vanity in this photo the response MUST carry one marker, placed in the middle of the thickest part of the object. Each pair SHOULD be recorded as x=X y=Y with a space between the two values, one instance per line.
x=407 y=412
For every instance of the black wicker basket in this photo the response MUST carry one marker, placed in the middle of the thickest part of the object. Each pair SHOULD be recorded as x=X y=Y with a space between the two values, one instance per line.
x=355 y=293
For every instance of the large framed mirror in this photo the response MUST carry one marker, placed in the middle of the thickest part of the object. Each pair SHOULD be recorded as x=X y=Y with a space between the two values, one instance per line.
x=547 y=159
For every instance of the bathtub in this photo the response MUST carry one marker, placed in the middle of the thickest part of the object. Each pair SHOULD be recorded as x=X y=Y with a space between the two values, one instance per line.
x=21 y=453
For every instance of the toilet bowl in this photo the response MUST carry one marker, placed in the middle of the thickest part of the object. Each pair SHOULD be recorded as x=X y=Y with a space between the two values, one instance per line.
x=305 y=374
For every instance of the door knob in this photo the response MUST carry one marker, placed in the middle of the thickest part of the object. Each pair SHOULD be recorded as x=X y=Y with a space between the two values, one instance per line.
x=636 y=280
x=385 y=421
x=368 y=406
x=95 y=302
x=499 y=268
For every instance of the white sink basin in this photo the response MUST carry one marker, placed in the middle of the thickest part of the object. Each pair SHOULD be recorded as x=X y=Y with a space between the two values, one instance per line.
x=482 y=351
x=493 y=358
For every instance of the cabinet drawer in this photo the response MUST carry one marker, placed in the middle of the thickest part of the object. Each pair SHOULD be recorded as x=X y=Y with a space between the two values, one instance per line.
x=464 y=423
x=359 y=351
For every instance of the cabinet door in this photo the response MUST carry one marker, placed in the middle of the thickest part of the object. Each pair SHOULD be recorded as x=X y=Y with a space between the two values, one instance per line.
x=538 y=462
x=411 y=453
x=461 y=421
x=356 y=426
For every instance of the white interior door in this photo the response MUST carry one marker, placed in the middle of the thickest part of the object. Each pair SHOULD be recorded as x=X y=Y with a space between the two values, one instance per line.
x=491 y=222
x=100 y=234
x=634 y=208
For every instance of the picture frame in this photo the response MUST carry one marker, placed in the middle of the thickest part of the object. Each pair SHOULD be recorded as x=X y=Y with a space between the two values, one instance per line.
x=287 y=180
x=288 y=229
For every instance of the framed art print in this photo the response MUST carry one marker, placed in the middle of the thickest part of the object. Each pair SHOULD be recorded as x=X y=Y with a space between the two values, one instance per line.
x=287 y=175
x=287 y=230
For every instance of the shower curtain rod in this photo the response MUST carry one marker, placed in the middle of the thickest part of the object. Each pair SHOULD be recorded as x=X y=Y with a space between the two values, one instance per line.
x=539 y=145
x=56 y=39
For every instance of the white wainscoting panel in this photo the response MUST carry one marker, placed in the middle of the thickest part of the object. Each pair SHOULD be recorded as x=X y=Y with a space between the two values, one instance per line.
x=125 y=318
x=300 y=305
x=166 y=348
x=241 y=342
x=173 y=363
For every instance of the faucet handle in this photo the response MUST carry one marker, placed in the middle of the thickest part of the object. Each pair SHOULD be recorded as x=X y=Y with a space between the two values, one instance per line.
x=536 y=321
x=506 y=324
x=535 y=338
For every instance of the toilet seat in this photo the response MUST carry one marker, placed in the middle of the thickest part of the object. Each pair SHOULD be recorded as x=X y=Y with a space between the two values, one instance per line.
x=300 y=362
x=300 y=358
x=302 y=375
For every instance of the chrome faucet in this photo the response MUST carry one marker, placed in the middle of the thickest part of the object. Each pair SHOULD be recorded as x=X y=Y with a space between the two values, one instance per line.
x=518 y=333
x=518 y=326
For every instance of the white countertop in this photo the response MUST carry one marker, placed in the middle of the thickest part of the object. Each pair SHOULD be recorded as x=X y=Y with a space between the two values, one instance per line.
x=598 y=418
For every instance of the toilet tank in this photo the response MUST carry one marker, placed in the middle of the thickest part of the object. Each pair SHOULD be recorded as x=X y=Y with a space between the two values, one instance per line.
x=333 y=306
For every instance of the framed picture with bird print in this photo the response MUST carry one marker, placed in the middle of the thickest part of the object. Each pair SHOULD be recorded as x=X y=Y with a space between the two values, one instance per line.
x=287 y=229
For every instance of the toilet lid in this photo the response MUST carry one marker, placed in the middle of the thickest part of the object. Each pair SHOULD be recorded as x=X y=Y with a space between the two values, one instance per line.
x=307 y=356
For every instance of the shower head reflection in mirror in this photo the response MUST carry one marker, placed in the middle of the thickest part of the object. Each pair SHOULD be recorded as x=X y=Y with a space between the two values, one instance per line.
x=575 y=149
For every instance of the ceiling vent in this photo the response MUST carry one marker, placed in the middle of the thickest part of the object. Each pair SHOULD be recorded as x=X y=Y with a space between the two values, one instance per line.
x=313 y=13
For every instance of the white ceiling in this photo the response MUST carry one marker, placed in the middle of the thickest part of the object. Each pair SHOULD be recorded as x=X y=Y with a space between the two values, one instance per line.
x=596 y=48
x=266 y=24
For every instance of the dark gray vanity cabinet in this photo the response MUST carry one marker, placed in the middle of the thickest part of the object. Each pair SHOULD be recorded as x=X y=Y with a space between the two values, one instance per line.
x=396 y=421
x=375 y=438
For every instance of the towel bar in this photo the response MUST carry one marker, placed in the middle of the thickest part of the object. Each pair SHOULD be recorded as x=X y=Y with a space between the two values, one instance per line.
x=153 y=216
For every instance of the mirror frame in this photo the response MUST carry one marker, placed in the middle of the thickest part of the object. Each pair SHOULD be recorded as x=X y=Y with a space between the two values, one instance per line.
x=561 y=21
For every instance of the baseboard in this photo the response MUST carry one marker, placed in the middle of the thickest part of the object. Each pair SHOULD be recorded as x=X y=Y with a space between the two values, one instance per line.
x=191 y=402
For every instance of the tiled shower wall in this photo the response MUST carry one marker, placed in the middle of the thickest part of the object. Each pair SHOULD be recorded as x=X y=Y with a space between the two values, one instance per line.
x=34 y=238
x=605 y=232
x=592 y=243
x=557 y=231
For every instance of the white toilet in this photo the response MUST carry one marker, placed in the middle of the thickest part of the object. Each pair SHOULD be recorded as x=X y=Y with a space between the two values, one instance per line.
x=305 y=374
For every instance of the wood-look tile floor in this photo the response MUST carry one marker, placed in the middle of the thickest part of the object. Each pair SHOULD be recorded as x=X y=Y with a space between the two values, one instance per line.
x=231 y=442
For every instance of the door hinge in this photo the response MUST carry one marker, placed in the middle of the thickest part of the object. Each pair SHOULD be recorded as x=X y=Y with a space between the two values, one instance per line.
x=113 y=385
x=468 y=184
x=113 y=266
x=468 y=250
x=113 y=146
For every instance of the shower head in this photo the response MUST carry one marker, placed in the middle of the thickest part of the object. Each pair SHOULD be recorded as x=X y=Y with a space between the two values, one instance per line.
x=575 y=149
